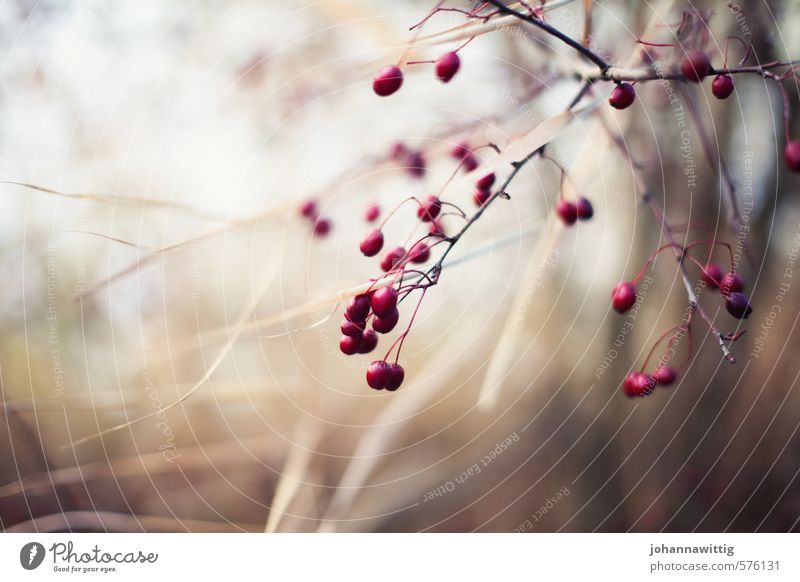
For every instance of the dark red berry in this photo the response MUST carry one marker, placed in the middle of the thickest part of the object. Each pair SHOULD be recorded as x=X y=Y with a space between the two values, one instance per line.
x=622 y=96
x=350 y=344
x=358 y=308
x=567 y=212
x=372 y=213
x=485 y=184
x=791 y=153
x=585 y=209
x=308 y=209
x=469 y=163
x=638 y=384
x=396 y=376
x=399 y=151
x=664 y=375
x=322 y=226
x=695 y=66
x=436 y=228
x=392 y=257
x=419 y=253
x=384 y=301
x=415 y=164
x=387 y=323
x=388 y=81
x=369 y=340
x=447 y=66
x=429 y=208
x=379 y=374
x=460 y=150
x=731 y=283
x=372 y=243
x=712 y=275
x=738 y=305
x=722 y=86
x=481 y=197
x=623 y=296
x=353 y=328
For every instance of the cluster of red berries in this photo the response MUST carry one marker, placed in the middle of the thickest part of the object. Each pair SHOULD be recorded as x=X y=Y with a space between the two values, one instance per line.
x=309 y=210
x=413 y=160
x=570 y=212
x=390 y=78
x=483 y=189
x=641 y=384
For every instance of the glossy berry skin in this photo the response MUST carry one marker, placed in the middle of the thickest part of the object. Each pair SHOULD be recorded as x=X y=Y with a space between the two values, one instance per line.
x=322 y=227
x=396 y=377
x=664 y=375
x=623 y=296
x=387 y=81
x=379 y=374
x=791 y=154
x=638 y=384
x=695 y=66
x=372 y=213
x=369 y=341
x=387 y=323
x=738 y=305
x=447 y=66
x=480 y=197
x=485 y=184
x=372 y=243
x=358 y=308
x=415 y=164
x=622 y=96
x=429 y=208
x=419 y=253
x=352 y=328
x=722 y=86
x=350 y=344
x=308 y=209
x=585 y=209
x=712 y=275
x=731 y=283
x=567 y=212
x=384 y=301
x=392 y=257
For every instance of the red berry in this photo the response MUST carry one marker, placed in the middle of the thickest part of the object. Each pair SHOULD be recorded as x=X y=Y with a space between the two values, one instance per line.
x=372 y=213
x=353 y=328
x=322 y=226
x=485 y=184
x=369 y=340
x=350 y=344
x=664 y=375
x=791 y=154
x=722 y=86
x=585 y=209
x=731 y=283
x=447 y=66
x=622 y=96
x=429 y=208
x=695 y=66
x=738 y=305
x=481 y=197
x=712 y=275
x=623 y=296
x=396 y=376
x=392 y=257
x=419 y=253
x=384 y=301
x=388 y=81
x=567 y=212
x=379 y=374
x=469 y=163
x=638 y=384
x=387 y=323
x=372 y=243
x=399 y=151
x=308 y=209
x=460 y=150
x=358 y=308
x=436 y=228
x=415 y=164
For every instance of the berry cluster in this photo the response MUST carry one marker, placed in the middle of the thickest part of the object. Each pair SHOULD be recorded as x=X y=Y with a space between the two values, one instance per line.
x=320 y=226
x=390 y=78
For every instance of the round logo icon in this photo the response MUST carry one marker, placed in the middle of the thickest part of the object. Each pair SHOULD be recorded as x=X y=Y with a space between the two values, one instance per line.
x=31 y=555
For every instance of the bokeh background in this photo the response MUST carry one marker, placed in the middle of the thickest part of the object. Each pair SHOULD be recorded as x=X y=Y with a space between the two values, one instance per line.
x=167 y=264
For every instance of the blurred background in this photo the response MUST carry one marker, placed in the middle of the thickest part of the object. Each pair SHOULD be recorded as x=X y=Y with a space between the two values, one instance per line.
x=160 y=286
